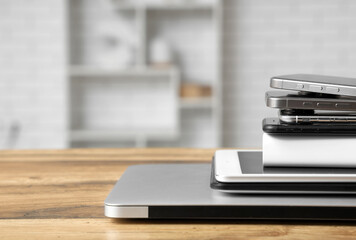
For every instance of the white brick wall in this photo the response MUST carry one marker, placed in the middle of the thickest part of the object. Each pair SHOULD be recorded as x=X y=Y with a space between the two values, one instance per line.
x=32 y=73
x=266 y=38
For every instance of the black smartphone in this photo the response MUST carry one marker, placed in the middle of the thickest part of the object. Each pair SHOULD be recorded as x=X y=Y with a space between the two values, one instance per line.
x=275 y=126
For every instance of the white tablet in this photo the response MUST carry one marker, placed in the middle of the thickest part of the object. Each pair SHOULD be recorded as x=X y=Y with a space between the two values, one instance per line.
x=235 y=166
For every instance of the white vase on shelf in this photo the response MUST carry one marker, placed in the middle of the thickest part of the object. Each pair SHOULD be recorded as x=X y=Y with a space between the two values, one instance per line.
x=160 y=52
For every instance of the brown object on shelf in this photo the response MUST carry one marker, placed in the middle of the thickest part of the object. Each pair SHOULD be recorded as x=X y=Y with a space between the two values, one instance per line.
x=195 y=91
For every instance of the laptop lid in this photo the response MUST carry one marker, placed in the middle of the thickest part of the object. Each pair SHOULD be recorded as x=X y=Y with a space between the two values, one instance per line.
x=183 y=191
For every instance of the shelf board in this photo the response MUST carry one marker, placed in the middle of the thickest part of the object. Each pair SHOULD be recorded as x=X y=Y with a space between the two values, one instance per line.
x=183 y=6
x=164 y=6
x=193 y=103
x=86 y=71
x=125 y=7
x=124 y=134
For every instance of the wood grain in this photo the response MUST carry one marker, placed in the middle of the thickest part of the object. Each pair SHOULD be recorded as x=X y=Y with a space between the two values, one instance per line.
x=128 y=154
x=60 y=194
x=120 y=229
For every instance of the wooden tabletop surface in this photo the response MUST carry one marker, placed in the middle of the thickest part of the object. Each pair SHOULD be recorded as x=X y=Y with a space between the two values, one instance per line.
x=47 y=194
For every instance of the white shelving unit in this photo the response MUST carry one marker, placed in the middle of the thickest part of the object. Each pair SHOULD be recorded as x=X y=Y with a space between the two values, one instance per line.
x=142 y=70
x=194 y=103
x=139 y=136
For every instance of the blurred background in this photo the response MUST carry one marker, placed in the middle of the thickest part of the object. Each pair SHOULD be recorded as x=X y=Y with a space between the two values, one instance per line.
x=158 y=73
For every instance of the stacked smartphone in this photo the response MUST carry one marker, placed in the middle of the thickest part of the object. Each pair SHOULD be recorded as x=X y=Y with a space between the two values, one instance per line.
x=318 y=104
x=316 y=124
x=309 y=148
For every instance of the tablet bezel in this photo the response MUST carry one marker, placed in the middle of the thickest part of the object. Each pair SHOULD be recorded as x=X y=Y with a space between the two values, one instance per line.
x=228 y=170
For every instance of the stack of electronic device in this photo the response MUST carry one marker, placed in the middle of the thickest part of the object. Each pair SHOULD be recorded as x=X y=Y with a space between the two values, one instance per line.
x=305 y=154
x=309 y=148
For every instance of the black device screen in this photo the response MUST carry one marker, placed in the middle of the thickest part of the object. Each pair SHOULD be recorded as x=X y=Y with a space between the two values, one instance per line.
x=274 y=126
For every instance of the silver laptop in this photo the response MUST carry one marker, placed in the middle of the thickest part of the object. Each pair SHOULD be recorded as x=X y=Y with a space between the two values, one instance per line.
x=183 y=191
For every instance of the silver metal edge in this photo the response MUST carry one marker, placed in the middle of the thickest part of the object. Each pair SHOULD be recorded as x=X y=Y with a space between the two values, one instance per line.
x=126 y=212
x=344 y=90
x=286 y=192
x=288 y=119
x=276 y=83
x=276 y=103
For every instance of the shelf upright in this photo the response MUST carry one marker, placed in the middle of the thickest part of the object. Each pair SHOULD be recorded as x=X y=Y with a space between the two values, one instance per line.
x=217 y=85
x=141 y=16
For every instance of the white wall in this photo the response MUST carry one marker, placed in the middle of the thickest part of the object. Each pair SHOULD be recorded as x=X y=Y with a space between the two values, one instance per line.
x=32 y=74
x=267 y=38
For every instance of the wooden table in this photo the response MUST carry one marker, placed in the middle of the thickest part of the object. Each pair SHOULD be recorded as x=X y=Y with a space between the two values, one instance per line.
x=59 y=194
